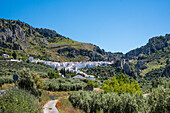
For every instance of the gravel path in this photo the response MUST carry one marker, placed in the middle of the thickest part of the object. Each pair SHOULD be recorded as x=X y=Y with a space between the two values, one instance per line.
x=50 y=107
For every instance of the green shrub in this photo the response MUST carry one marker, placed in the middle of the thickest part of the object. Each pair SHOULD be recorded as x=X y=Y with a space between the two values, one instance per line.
x=108 y=103
x=62 y=84
x=67 y=73
x=161 y=81
x=104 y=71
x=92 y=84
x=30 y=81
x=5 y=79
x=19 y=101
x=159 y=100
x=53 y=74
x=121 y=84
x=9 y=68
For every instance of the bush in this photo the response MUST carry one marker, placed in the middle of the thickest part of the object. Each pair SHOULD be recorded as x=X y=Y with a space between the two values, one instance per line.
x=64 y=84
x=92 y=84
x=104 y=71
x=159 y=100
x=67 y=73
x=19 y=101
x=121 y=84
x=53 y=74
x=161 y=81
x=9 y=68
x=30 y=81
x=5 y=79
x=108 y=103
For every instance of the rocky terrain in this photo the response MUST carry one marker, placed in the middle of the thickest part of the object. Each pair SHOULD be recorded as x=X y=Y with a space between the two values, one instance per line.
x=155 y=44
x=46 y=44
x=152 y=58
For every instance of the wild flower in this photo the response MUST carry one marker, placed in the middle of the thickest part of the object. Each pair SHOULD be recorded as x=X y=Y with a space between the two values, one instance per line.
x=59 y=104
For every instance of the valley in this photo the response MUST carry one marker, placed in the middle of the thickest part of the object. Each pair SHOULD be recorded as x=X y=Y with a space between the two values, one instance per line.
x=80 y=77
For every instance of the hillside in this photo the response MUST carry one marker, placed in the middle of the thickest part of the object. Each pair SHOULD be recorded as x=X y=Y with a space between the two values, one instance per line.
x=8 y=68
x=46 y=44
x=151 y=57
x=148 y=61
x=155 y=45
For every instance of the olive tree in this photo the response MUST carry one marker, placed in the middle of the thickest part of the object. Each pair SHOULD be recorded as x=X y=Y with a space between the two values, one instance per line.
x=30 y=81
x=159 y=100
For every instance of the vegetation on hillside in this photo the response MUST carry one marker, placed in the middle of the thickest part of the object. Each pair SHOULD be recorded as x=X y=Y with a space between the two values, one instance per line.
x=53 y=74
x=110 y=102
x=62 y=84
x=158 y=101
x=93 y=84
x=6 y=79
x=25 y=40
x=121 y=84
x=104 y=71
x=150 y=60
x=67 y=73
x=8 y=68
x=149 y=65
x=30 y=81
x=19 y=101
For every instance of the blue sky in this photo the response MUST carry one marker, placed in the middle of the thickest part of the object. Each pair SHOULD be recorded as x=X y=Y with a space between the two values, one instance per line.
x=114 y=25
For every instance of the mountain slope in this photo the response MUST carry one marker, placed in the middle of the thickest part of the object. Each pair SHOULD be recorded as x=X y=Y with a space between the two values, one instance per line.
x=154 y=55
x=46 y=44
x=154 y=45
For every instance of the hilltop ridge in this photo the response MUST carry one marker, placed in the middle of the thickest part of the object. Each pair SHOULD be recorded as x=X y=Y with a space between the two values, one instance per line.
x=46 y=44
x=154 y=45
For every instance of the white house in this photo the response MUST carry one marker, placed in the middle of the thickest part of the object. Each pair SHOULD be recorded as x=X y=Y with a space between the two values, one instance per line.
x=91 y=76
x=90 y=65
x=16 y=60
x=31 y=59
x=79 y=77
x=5 y=56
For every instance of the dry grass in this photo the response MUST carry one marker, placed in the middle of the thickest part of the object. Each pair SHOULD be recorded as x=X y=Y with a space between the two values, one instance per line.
x=44 y=98
x=6 y=86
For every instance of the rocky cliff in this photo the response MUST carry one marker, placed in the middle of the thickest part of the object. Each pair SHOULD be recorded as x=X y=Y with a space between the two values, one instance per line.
x=46 y=44
x=151 y=58
x=154 y=44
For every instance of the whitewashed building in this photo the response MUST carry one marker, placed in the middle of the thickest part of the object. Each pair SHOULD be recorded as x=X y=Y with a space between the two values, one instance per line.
x=31 y=59
x=5 y=56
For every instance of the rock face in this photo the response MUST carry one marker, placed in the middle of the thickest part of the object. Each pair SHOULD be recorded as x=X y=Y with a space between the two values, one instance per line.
x=9 y=33
x=48 y=33
x=47 y=44
x=149 y=56
x=140 y=65
x=72 y=53
x=18 y=32
x=126 y=68
x=154 y=44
